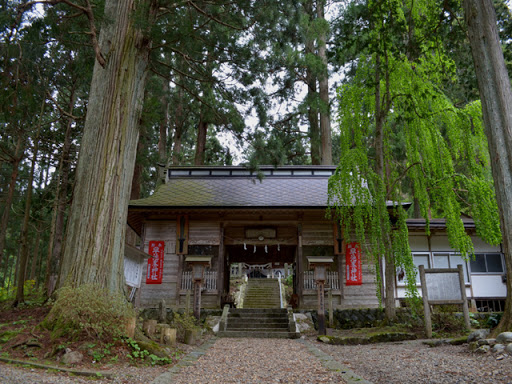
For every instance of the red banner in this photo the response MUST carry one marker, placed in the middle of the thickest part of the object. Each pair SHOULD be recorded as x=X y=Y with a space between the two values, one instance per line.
x=353 y=262
x=155 y=262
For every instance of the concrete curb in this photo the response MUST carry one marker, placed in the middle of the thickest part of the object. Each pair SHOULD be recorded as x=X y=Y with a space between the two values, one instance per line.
x=97 y=374
x=189 y=359
x=331 y=364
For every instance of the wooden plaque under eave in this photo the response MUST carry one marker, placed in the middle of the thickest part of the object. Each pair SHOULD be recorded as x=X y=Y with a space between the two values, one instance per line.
x=254 y=233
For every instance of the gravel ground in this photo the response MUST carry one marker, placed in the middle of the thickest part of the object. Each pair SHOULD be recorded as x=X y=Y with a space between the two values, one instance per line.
x=414 y=362
x=10 y=374
x=256 y=361
x=289 y=361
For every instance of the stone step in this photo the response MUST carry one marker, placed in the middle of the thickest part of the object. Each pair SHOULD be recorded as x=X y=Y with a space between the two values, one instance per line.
x=280 y=311
x=263 y=334
x=253 y=326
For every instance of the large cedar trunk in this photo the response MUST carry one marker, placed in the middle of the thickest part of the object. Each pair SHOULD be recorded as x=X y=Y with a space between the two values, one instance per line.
x=94 y=247
x=311 y=80
x=323 y=88
x=496 y=96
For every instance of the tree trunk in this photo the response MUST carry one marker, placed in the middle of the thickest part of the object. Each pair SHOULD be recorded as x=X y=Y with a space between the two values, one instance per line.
x=312 y=96
x=23 y=256
x=202 y=131
x=162 y=142
x=323 y=88
x=35 y=254
x=178 y=128
x=389 y=269
x=59 y=206
x=496 y=96
x=95 y=238
x=18 y=156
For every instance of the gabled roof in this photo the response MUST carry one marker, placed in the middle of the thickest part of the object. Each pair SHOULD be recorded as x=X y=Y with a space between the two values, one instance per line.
x=237 y=187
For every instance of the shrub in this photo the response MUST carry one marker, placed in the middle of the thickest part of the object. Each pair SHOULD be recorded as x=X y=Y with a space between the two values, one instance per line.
x=184 y=323
x=88 y=310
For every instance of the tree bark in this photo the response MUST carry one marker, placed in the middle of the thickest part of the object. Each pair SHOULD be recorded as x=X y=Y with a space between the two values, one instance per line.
x=23 y=256
x=35 y=254
x=312 y=96
x=323 y=88
x=496 y=97
x=164 y=123
x=16 y=160
x=95 y=238
x=202 y=131
x=60 y=205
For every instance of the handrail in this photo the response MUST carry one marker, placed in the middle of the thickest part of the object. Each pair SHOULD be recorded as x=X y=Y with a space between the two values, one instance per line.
x=280 y=289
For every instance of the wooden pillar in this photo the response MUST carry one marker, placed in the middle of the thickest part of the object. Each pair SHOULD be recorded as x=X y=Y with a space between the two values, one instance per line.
x=221 y=266
x=181 y=262
x=300 y=265
x=197 y=299
x=321 y=308
x=136 y=302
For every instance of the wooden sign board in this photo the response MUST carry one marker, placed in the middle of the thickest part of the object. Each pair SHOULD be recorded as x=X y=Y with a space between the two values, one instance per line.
x=133 y=263
x=442 y=286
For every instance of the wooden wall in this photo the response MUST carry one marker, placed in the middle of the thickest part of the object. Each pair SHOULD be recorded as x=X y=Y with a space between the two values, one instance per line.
x=151 y=294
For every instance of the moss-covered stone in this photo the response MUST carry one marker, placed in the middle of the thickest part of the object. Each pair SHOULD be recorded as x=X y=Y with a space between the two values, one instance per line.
x=458 y=340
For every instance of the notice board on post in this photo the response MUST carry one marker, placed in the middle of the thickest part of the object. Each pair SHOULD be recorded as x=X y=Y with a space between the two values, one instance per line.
x=133 y=263
x=443 y=286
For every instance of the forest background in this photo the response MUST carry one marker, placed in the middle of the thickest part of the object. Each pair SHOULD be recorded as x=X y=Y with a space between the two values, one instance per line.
x=214 y=65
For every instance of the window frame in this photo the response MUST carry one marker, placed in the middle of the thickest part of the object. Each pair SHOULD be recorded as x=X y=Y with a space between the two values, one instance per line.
x=431 y=262
x=487 y=273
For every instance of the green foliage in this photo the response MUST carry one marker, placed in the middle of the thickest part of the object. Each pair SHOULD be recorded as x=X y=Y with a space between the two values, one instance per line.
x=493 y=320
x=183 y=323
x=138 y=354
x=89 y=311
x=29 y=288
x=433 y=151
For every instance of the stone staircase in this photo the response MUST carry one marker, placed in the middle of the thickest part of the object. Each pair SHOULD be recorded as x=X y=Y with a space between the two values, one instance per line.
x=257 y=323
x=262 y=293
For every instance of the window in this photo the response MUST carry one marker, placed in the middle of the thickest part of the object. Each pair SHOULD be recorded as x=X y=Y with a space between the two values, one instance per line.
x=417 y=259
x=436 y=260
x=451 y=260
x=487 y=263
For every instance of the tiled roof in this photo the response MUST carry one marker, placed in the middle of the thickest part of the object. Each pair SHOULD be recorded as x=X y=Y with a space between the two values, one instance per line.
x=229 y=191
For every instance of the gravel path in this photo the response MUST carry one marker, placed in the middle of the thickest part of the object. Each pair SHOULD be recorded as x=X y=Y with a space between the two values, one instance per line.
x=414 y=362
x=255 y=361
x=292 y=361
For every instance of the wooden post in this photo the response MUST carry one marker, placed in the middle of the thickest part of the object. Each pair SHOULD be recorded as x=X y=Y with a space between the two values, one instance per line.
x=331 y=314
x=181 y=262
x=300 y=268
x=426 y=305
x=220 y=266
x=465 y=308
x=197 y=299
x=321 y=308
x=187 y=302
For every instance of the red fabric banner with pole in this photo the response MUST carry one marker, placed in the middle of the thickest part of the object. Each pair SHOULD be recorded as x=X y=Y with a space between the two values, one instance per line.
x=353 y=263
x=155 y=262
